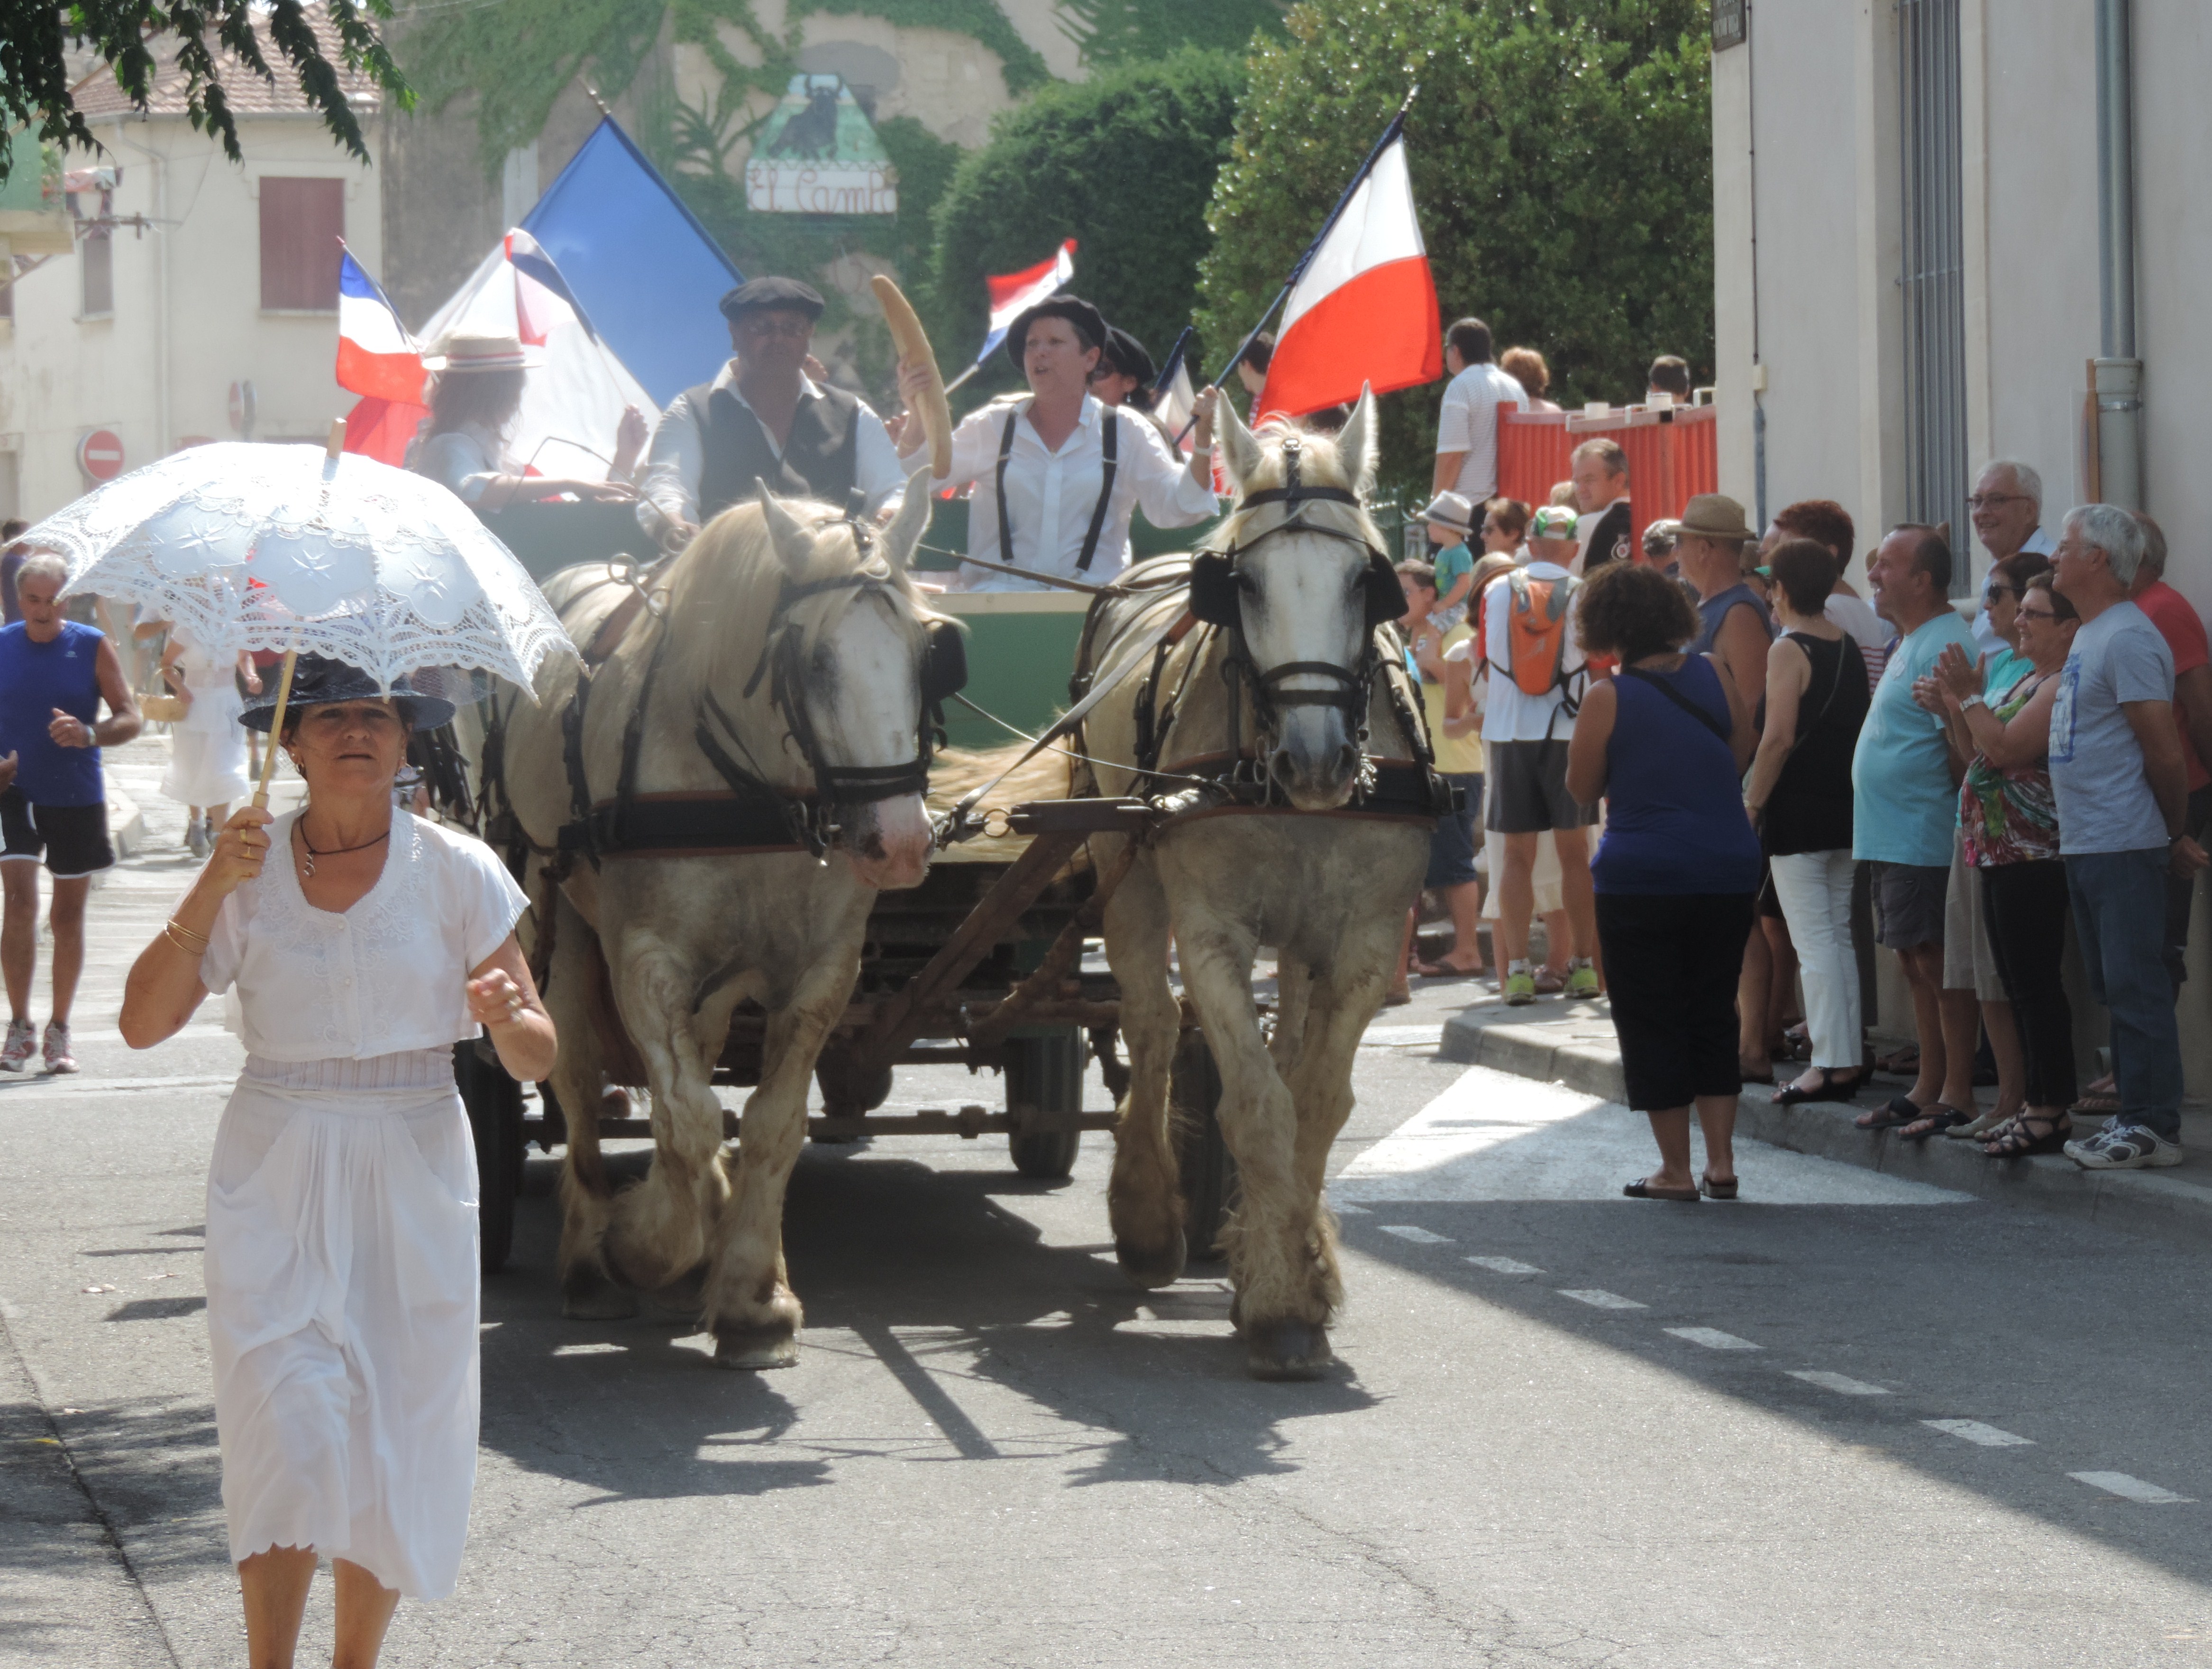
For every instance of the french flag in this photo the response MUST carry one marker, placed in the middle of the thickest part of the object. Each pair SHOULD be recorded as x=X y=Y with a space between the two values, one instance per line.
x=1363 y=311
x=1014 y=293
x=379 y=361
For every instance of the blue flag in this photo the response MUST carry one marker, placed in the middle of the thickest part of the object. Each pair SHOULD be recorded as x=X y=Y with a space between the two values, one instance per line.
x=638 y=263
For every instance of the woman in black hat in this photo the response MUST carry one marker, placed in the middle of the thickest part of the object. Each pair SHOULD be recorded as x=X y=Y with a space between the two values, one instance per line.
x=1125 y=373
x=1059 y=473
x=341 y=1206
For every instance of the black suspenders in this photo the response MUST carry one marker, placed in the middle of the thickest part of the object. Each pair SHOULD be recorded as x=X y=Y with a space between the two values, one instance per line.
x=1109 y=435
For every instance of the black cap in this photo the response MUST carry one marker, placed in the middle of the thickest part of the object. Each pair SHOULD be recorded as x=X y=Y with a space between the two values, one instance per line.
x=1127 y=356
x=759 y=294
x=317 y=681
x=1090 y=324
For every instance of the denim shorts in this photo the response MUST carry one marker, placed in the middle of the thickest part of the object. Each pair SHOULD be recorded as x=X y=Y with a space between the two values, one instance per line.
x=1453 y=846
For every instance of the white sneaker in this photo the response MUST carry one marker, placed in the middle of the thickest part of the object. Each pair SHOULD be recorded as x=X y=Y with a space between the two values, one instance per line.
x=57 y=1049
x=2128 y=1148
x=22 y=1043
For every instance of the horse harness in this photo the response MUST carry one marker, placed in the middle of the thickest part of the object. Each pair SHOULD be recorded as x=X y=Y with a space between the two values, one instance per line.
x=754 y=815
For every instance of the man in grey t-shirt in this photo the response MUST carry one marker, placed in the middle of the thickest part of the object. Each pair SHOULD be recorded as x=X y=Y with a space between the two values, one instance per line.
x=2122 y=790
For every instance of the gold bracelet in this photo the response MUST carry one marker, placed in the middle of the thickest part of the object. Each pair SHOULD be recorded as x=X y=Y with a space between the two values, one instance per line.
x=177 y=933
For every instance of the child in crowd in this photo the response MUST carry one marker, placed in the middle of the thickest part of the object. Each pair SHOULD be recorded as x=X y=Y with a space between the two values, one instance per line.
x=1451 y=516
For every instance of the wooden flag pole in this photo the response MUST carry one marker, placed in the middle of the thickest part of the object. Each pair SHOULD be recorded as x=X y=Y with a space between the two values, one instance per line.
x=335 y=445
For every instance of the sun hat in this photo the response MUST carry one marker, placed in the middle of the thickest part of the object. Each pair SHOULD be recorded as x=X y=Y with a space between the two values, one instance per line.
x=1090 y=324
x=1713 y=515
x=317 y=681
x=481 y=350
x=1454 y=511
x=1552 y=521
x=759 y=295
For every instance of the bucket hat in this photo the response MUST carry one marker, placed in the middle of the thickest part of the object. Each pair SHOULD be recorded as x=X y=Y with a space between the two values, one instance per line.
x=1455 y=510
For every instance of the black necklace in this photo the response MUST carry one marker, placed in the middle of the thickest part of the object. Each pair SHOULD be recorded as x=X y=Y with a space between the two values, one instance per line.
x=301 y=829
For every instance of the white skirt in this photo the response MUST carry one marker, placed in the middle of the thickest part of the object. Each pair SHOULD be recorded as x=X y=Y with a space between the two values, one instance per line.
x=341 y=1310
x=207 y=749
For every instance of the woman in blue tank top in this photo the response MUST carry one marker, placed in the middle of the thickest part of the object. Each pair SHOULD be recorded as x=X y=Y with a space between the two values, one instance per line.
x=1665 y=741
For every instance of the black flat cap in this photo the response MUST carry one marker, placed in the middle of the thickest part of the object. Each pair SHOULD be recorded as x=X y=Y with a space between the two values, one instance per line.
x=758 y=294
x=1127 y=356
x=1090 y=324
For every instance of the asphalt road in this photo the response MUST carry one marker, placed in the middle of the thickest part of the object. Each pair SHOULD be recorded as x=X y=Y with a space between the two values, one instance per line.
x=1849 y=1421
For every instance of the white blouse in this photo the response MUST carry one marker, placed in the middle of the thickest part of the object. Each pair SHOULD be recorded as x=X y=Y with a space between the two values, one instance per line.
x=390 y=974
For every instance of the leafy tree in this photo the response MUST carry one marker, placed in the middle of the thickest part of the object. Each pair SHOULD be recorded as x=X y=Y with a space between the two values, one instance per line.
x=1561 y=159
x=1125 y=162
x=1132 y=31
x=37 y=88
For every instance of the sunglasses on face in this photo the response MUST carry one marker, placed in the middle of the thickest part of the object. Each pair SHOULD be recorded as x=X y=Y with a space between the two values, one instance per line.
x=2027 y=613
x=1997 y=591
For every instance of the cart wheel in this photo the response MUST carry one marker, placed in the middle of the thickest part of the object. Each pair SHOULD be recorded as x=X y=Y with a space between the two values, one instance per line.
x=1047 y=1073
x=494 y=1101
x=1204 y=1165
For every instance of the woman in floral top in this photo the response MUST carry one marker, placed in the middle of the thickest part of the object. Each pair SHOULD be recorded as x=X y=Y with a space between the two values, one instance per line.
x=2010 y=824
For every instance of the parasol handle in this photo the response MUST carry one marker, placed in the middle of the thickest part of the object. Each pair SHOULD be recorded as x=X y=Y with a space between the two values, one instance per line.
x=276 y=730
x=336 y=444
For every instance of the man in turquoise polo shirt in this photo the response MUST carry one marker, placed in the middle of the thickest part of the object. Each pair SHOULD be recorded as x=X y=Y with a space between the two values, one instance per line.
x=1905 y=800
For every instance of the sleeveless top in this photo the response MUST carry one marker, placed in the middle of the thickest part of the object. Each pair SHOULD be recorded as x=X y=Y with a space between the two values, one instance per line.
x=818 y=459
x=2009 y=816
x=1714 y=610
x=1675 y=818
x=1809 y=808
x=35 y=679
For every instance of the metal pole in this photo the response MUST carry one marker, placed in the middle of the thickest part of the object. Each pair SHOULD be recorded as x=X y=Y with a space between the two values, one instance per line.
x=2118 y=372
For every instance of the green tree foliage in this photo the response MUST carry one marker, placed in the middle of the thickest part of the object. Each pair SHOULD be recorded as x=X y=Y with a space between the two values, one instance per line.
x=214 y=39
x=1111 y=32
x=1561 y=158
x=1125 y=162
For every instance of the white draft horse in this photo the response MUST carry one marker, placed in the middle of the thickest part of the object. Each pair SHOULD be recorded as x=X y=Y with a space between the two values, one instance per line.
x=1293 y=673
x=793 y=639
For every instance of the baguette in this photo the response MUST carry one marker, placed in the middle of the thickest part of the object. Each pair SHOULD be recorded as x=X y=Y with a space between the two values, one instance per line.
x=906 y=335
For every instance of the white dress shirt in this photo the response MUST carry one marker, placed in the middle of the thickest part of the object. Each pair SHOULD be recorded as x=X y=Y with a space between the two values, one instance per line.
x=1467 y=422
x=1050 y=496
x=1986 y=632
x=465 y=460
x=670 y=483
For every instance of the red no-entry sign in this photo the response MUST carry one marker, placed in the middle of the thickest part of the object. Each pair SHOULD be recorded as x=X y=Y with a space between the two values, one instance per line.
x=99 y=455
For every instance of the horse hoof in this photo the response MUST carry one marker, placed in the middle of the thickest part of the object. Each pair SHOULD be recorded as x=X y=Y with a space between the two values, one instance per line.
x=1149 y=1267
x=587 y=1295
x=757 y=1350
x=1287 y=1349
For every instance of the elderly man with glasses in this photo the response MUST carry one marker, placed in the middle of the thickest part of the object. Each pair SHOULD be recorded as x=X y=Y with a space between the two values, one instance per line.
x=2007 y=510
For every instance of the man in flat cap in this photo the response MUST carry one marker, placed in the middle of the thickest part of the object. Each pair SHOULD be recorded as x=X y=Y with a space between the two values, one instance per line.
x=764 y=418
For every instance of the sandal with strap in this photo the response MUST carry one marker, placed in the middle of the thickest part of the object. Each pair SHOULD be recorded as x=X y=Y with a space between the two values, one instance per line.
x=1644 y=1189
x=1939 y=1118
x=1898 y=1110
x=2020 y=1140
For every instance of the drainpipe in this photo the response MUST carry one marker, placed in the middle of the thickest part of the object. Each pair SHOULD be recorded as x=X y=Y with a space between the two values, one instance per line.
x=2117 y=372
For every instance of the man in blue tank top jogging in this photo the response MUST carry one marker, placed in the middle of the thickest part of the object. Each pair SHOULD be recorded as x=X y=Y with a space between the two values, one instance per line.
x=54 y=673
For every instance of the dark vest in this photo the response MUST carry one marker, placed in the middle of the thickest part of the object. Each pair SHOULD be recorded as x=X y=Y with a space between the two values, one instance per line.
x=1614 y=540
x=817 y=463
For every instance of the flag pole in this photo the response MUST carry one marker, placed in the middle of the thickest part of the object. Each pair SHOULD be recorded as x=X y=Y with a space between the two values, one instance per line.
x=1396 y=127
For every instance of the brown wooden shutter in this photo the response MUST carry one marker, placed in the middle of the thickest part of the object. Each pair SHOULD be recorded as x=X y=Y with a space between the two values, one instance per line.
x=301 y=222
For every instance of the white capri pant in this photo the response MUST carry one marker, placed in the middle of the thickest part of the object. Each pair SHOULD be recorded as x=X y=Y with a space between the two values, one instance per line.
x=1815 y=891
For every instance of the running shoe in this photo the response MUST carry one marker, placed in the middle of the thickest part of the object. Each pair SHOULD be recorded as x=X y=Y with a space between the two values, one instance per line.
x=1520 y=988
x=2127 y=1148
x=56 y=1049
x=23 y=1043
x=1581 y=978
x=195 y=840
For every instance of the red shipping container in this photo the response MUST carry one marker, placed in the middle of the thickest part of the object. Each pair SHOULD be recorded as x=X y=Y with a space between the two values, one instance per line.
x=1672 y=455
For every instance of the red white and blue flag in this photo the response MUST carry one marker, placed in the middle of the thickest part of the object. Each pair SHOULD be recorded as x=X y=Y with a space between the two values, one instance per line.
x=379 y=361
x=1363 y=310
x=1013 y=293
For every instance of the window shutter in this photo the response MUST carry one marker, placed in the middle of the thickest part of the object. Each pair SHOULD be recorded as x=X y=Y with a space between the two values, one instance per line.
x=301 y=222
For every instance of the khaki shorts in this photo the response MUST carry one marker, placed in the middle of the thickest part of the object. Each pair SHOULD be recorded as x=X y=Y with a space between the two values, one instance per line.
x=1968 y=964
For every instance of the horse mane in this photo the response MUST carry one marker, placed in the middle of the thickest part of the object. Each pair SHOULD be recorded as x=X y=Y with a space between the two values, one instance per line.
x=726 y=585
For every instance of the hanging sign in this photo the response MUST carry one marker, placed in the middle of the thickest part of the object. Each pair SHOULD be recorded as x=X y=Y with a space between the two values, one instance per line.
x=818 y=155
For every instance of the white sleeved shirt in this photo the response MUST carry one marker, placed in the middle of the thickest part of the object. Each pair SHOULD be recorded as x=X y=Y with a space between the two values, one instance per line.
x=1510 y=714
x=677 y=457
x=1050 y=496
x=388 y=976
x=464 y=460
x=1467 y=422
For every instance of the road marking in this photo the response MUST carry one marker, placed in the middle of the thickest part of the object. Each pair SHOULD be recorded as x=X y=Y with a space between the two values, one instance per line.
x=1842 y=1383
x=78 y=1085
x=2134 y=1489
x=601 y=1349
x=1418 y=1236
x=1506 y=1266
x=1598 y=1298
x=1713 y=1338
x=1348 y=1210
x=1975 y=1432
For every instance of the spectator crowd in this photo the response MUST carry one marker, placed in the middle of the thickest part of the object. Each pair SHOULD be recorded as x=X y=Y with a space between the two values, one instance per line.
x=1725 y=779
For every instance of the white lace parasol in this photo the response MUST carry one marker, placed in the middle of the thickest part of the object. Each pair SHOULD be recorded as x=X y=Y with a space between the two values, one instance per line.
x=273 y=548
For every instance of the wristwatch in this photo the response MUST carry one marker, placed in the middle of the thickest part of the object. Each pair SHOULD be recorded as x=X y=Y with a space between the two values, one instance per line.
x=1971 y=701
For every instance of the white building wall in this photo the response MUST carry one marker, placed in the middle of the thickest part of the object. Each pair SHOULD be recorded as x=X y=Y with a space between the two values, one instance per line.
x=187 y=319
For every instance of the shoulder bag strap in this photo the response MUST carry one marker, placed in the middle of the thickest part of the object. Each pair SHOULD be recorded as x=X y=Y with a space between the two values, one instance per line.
x=1675 y=696
x=1109 y=431
x=1006 y=451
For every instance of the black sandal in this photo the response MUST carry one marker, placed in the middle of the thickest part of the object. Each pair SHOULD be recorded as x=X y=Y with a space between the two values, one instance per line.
x=1898 y=1110
x=1834 y=1087
x=1713 y=1189
x=2019 y=1142
x=1939 y=1118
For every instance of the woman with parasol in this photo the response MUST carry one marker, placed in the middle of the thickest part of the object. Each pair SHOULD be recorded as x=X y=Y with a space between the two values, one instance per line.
x=364 y=942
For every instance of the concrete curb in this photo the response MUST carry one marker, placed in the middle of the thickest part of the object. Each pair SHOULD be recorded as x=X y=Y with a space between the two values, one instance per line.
x=2174 y=1205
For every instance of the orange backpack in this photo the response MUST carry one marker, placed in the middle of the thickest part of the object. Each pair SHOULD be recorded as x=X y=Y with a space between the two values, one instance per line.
x=1536 y=633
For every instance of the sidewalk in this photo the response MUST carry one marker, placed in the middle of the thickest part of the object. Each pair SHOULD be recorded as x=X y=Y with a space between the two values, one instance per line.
x=1573 y=1045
